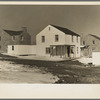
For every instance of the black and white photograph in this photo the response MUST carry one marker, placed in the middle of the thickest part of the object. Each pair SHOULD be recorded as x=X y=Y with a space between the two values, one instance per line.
x=50 y=44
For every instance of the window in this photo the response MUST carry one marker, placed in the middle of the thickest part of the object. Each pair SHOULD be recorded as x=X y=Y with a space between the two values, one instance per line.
x=72 y=39
x=49 y=28
x=72 y=49
x=77 y=38
x=0 y=38
x=56 y=38
x=93 y=42
x=13 y=38
x=43 y=38
x=12 y=48
x=83 y=42
x=48 y=50
x=77 y=50
x=22 y=38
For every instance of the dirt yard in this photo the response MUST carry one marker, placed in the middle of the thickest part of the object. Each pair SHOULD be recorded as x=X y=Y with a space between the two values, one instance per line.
x=61 y=72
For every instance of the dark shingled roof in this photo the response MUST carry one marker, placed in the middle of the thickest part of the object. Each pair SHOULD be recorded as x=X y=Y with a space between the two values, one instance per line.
x=95 y=36
x=10 y=32
x=65 y=30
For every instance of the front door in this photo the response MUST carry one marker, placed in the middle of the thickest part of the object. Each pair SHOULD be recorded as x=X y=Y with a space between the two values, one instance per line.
x=68 y=51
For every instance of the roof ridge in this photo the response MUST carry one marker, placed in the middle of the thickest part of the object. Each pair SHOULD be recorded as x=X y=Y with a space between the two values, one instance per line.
x=10 y=32
x=95 y=36
x=65 y=30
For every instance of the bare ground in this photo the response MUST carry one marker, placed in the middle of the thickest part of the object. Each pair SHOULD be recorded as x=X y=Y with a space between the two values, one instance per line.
x=66 y=71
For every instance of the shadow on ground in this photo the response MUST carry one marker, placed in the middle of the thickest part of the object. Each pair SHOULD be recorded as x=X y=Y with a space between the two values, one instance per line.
x=67 y=71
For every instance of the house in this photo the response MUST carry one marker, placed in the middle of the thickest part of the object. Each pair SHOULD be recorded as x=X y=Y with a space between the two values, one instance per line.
x=57 y=41
x=90 y=43
x=10 y=37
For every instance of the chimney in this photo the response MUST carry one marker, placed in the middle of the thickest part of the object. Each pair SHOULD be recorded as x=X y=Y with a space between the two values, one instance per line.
x=24 y=29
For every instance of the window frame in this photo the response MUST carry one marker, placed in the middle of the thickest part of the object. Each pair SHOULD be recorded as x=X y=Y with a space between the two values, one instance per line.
x=43 y=39
x=13 y=37
x=22 y=38
x=72 y=38
x=83 y=42
x=77 y=39
x=56 y=38
x=47 y=50
x=0 y=38
x=93 y=42
x=12 y=47
x=77 y=50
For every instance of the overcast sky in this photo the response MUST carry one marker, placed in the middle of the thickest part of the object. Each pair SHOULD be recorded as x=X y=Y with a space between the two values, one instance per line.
x=80 y=19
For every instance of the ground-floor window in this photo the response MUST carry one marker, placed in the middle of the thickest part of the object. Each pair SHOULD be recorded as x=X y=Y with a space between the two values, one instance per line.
x=72 y=49
x=47 y=50
x=12 y=47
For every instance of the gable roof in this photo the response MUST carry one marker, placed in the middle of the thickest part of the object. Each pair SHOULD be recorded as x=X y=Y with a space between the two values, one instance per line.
x=95 y=36
x=10 y=32
x=65 y=30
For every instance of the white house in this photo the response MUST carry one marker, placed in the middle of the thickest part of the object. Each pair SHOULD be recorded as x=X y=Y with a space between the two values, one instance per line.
x=51 y=41
x=57 y=41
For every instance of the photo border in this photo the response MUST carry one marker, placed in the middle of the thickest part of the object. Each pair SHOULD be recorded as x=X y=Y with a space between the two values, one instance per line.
x=61 y=92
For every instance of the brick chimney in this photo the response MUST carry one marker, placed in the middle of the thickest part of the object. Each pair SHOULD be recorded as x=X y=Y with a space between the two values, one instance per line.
x=24 y=29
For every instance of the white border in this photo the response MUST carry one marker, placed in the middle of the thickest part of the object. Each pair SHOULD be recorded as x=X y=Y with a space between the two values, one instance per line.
x=48 y=3
x=50 y=91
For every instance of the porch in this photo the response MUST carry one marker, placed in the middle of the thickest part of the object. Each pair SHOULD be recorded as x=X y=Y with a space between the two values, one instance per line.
x=62 y=51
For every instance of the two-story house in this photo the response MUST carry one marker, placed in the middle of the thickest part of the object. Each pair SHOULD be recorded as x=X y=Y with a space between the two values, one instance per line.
x=90 y=43
x=57 y=41
x=10 y=37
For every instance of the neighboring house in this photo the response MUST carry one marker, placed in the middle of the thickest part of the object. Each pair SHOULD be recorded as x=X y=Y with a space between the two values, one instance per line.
x=90 y=43
x=58 y=41
x=9 y=37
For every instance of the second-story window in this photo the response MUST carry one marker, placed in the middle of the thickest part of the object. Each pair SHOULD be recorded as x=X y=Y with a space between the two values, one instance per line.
x=13 y=38
x=22 y=38
x=0 y=38
x=72 y=39
x=43 y=38
x=77 y=39
x=0 y=46
x=49 y=28
x=56 y=38
x=93 y=42
x=77 y=50
x=83 y=42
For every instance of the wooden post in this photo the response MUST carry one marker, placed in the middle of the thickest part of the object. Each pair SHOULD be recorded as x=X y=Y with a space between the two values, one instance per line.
x=64 y=51
x=61 y=52
x=55 y=51
x=50 y=51
x=70 y=51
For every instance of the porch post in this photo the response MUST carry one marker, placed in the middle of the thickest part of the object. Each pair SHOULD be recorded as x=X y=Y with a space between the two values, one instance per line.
x=61 y=52
x=64 y=52
x=55 y=51
x=70 y=51
x=50 y=51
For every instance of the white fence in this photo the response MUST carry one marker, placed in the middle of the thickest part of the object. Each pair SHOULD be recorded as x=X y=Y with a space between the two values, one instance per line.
x=21 y=49
x=96 y=58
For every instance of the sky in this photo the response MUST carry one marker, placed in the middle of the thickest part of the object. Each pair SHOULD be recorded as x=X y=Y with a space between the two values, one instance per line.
x=82 y=19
